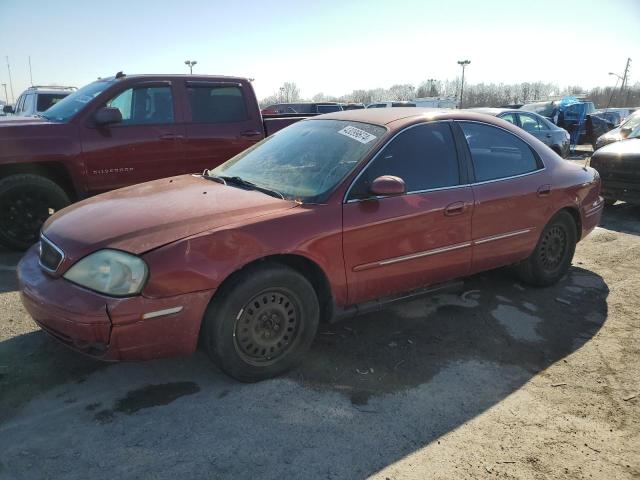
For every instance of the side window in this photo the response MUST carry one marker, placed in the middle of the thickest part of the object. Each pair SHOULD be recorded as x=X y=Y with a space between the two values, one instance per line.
x=144 y=105
x=509 y=117
x=217 y=104
x=529 y=123
x=424 y=156
x=497 y=153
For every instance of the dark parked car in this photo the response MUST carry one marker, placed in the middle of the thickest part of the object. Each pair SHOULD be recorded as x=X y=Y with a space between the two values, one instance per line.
x=397 y=103
x=630 y=128
x=619 y=168
x=302 y=108
x=544 y=130
x=120 y=131
x=331 y=217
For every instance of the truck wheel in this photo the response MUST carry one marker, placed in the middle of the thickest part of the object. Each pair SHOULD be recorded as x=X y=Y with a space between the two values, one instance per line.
x=552 y=256
x=261 y=323
x=26 y=201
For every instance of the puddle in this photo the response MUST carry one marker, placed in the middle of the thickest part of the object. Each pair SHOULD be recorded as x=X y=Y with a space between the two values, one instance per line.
x=518 y=324
x=154 y=395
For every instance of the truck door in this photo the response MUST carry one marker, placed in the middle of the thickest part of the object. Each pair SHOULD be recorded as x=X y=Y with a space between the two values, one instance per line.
x=147 y=144
x=220 y=123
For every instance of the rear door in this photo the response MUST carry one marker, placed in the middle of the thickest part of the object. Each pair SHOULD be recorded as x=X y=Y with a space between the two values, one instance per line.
x=396 y=244
x=512 y=194
x=147 y=144
x=220 y=123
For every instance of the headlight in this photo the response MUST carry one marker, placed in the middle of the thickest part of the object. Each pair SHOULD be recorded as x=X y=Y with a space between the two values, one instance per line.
x=110 y=272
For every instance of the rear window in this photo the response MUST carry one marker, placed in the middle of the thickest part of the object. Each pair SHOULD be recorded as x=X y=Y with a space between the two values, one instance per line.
x=47 y=100
x=217 y=104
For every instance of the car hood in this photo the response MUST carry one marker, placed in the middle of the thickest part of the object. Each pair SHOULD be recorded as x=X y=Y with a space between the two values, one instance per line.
x=13 y=120
x=142 y=217
x=628 y=147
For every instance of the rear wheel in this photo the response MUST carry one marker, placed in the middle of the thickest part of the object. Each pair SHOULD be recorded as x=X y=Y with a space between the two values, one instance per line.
x=552 y=256
x=261 y=323
x=26 y=201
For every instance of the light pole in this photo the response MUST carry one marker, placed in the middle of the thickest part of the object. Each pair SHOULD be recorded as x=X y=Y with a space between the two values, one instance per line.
x=463 y=64
x=6 y=97
x=190 y=64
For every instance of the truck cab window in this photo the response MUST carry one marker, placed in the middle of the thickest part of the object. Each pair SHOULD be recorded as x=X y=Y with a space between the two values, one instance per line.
x=217 y=104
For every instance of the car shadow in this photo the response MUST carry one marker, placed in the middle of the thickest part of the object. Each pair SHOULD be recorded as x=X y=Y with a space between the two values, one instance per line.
x=371 y=391
x=622 y=217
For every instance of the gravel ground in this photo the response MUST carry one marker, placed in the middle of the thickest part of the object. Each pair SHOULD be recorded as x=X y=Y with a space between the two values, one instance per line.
x=503 y=381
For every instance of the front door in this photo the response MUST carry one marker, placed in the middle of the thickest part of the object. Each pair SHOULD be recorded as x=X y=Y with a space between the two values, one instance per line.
x=512 y=195
x=396 y=244
x=147 y=144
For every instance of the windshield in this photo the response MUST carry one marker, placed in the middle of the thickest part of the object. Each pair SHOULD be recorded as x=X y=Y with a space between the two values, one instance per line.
x=632 y=124
x=306 y=160
x=66 y=108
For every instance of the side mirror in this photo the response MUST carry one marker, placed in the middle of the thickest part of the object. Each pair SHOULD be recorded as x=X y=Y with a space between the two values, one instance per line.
x=108 y=116
x=625 y=131
x=388 y=185
x=8 y=109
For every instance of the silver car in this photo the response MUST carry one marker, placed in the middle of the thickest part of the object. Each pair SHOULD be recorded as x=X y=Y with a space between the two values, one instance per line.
x=555 y=137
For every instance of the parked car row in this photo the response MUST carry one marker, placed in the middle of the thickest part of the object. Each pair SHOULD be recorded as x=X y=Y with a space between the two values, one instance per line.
x=333 y=216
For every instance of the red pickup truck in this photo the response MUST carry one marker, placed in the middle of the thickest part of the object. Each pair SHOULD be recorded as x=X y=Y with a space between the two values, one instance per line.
x=119 y=131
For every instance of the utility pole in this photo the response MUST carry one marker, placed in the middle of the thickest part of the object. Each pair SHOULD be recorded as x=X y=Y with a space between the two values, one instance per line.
x=463 y=64
x=625 y=78
x=6 y=97
x=13 y=98
x=30 y=72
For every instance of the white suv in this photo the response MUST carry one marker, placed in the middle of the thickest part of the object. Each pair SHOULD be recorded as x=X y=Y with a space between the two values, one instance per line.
x=35 y=100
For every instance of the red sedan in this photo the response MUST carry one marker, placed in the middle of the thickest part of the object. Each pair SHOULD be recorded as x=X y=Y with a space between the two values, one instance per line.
x=330 y=217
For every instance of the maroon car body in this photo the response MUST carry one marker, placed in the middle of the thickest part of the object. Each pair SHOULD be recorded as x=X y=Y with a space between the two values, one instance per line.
x=195 y=234
x=171 y=124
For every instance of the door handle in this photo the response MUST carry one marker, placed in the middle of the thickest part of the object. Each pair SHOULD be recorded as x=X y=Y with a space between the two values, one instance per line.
x=170 y=136
x=544 y=190
x=250 y=133
x=455 y=208
x=548 y=135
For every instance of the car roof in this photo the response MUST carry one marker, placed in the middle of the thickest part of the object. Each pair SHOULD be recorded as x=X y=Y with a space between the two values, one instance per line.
x=399 y=117
x=160 y=76
x=492 y=110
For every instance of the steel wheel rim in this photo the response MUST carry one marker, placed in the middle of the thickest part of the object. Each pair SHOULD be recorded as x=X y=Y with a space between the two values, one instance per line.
x=267 y=327
x=553 y=248
x=23 y=212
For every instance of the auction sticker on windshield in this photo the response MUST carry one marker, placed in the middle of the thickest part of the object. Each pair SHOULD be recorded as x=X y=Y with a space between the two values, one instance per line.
x=357 y=134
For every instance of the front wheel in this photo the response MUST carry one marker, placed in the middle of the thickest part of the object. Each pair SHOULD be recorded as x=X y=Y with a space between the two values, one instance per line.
x=552 y=256
x=26 y=201
x=260 y=324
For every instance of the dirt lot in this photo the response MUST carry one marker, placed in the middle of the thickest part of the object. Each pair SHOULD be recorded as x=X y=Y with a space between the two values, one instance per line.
x=503 y=381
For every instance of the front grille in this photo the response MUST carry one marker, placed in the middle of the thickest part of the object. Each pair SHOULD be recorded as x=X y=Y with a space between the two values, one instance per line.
x=50 y=256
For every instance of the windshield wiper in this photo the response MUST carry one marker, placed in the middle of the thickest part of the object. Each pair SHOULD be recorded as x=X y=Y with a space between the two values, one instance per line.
x=242 y=182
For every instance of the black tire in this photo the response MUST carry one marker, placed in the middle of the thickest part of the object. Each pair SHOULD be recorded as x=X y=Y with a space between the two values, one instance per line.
x=26 y=201
x=260 y=324
x=552 y=256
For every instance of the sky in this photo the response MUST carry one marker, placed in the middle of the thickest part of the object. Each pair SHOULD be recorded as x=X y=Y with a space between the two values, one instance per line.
x=326 y=46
